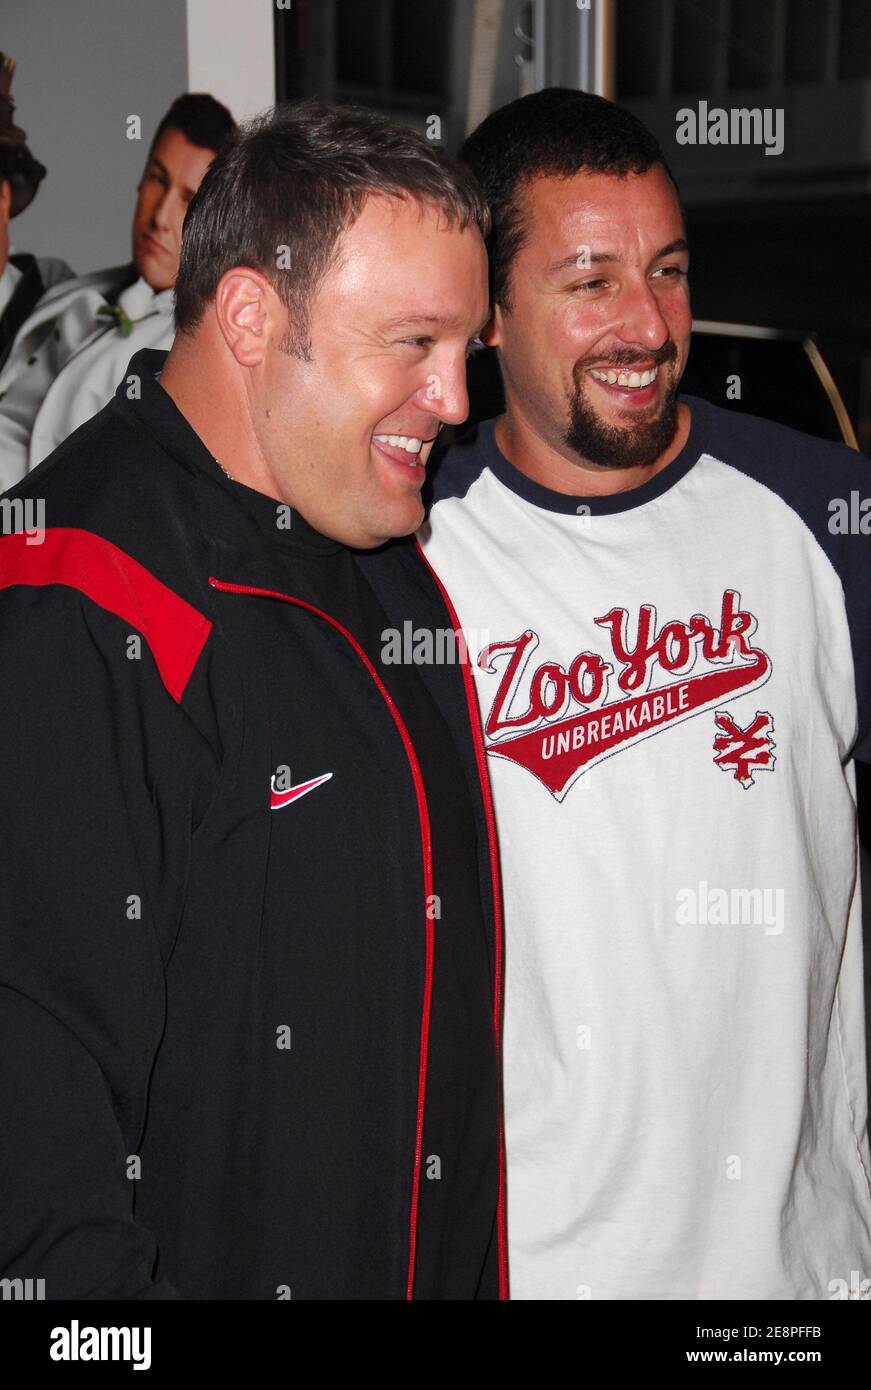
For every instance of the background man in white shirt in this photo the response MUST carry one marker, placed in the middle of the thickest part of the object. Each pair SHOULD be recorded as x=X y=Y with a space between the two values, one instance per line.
x=69 y=356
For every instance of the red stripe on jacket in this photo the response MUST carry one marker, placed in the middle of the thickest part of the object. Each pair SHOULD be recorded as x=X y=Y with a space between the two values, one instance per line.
x=175 y=631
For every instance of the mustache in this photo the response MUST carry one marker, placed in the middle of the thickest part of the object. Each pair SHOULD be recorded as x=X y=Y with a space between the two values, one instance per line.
x=627 y=358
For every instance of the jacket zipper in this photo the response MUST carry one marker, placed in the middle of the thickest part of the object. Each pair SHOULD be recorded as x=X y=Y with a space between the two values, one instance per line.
x=490 y=817
x=426 y=846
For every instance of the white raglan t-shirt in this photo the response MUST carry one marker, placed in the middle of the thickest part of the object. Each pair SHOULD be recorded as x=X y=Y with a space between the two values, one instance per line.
x=673 y=683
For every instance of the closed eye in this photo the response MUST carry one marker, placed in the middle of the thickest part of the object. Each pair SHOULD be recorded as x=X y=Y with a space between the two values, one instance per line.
x=474 y=344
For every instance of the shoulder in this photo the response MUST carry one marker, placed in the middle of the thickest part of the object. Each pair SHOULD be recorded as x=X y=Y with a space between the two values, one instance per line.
x=112 y=473
x=112 y=516
x=462 y=464
x=106 y=280
x=64 y=309
x=64 y=292
x=802 y=469
x=54 y=271
x=825 y=485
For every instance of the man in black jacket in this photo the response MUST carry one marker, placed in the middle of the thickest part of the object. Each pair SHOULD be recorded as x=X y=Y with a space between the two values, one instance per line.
x=249 y=910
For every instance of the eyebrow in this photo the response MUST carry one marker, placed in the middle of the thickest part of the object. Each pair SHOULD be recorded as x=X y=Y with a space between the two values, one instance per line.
x=435 y=320
x=598 y=257
x=153 y=159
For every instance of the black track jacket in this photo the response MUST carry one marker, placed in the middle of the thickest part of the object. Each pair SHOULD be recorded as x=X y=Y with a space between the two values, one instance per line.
x=168 y=1129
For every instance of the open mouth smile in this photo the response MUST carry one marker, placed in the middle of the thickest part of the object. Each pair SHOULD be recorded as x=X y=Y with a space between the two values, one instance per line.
x=402 y=448
x=632 y=381
x=627 y=389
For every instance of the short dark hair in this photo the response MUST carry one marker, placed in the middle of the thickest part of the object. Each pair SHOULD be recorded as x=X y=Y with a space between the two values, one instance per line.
x=557 y=132
x=295 y=178
x=201 y=119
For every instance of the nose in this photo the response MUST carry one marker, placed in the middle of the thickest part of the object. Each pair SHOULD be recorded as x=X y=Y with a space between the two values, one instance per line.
x=642 y=317
x=162 y=212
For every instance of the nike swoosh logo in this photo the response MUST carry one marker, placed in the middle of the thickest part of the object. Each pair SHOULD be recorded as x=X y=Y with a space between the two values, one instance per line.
x=280 y=799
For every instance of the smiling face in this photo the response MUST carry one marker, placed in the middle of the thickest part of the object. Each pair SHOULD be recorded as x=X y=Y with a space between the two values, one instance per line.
x=345 y=436
x=596 y=337
x=171 y=178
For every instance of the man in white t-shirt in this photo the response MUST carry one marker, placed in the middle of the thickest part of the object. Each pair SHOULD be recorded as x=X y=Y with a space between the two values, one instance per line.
x=70 y=354
x=668 y=618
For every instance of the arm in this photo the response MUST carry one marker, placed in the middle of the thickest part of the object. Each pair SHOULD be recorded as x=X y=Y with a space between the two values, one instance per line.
x=95 y=814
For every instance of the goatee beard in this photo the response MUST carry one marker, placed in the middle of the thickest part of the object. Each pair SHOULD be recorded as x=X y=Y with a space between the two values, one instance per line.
x=611 y=446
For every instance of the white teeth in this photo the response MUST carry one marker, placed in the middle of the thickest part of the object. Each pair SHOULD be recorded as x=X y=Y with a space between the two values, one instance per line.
x=411 y=445
x=401 y=441
x=633 y=381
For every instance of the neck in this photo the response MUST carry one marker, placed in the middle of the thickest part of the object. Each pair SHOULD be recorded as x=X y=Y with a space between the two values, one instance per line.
x=561 y=470
x=212 y=399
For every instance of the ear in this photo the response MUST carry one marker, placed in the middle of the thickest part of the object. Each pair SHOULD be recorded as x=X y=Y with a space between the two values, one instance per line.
x=249 y=314
x=492 y=334
x=5 y=200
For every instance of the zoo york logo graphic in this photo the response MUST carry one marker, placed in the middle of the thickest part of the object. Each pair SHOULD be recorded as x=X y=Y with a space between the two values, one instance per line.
x=744 y=751
x=531 y=723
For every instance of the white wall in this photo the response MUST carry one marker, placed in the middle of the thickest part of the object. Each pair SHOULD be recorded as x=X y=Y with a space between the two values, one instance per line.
x=231 y=53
